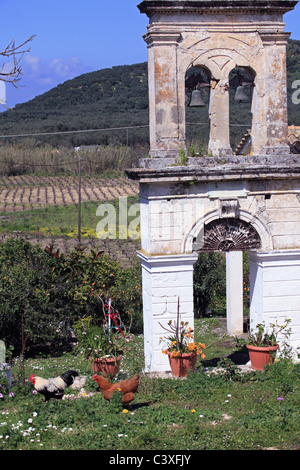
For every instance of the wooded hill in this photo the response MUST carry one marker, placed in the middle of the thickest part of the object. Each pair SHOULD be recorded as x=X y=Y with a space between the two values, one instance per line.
x=115 y=98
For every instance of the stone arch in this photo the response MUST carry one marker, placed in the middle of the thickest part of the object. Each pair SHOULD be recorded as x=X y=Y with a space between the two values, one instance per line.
x=229 y=234
x=219 y=58
x=231 y=231
x=250 y=225
x=220 y=61
x=241 y=81
x=197 y=81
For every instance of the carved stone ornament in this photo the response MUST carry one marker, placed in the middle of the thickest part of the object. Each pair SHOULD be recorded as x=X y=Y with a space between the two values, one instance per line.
x=228 y=208
x=230 y=235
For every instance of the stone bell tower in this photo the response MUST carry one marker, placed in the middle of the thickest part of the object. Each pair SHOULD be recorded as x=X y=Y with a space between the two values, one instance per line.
x=220 y=201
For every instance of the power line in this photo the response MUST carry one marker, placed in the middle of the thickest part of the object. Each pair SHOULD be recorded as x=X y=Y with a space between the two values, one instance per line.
x=72 y=132
x=42 y=164
x=81 y=131
x=207 y=124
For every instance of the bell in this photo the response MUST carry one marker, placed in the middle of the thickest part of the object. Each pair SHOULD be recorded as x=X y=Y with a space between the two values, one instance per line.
x=196 y=99
x=240 y=94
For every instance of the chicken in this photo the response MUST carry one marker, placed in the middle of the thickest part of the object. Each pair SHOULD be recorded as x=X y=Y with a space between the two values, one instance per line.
x=128 y=387
x=53 y=388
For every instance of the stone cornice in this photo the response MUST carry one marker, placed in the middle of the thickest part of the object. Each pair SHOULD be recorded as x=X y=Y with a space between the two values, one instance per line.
x=151 y=7
x=198 y=169
x=269 y=38
x=162 y=38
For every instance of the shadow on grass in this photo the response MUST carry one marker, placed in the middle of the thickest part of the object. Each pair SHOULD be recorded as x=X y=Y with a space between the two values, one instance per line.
x=238 y=357
x=136 y=406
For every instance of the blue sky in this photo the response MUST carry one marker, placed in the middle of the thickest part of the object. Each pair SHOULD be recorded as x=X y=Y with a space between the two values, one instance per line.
x=72 y=37
x=75 y=37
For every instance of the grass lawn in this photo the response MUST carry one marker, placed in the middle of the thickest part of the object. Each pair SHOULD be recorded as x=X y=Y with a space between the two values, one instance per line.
x=62 y=220
x=228 y=410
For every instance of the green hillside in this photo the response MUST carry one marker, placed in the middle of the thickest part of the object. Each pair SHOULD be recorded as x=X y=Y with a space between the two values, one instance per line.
x=118 y=97
x=114 y=97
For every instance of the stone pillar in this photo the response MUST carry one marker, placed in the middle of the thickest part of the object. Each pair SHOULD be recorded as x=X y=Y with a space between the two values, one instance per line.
x=275 y=289
x=275 y=93
x=234 y=292
x=163 y=94
x=165 y=278
x=219 y=139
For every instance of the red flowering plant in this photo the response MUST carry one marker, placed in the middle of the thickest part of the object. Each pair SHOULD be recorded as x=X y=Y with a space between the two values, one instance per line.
x=107 y=340
x=181 y=339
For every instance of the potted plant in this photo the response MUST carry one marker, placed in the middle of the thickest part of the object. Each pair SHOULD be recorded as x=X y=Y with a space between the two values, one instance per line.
x=103 y=348
x=263 y=344
x=102 y=345
x=182 y=350
x=104 y=353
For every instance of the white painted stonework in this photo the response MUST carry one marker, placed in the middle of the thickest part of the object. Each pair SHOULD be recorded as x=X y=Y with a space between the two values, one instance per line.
x=173 y=214
x=221 y=201
x=165 y=278
x=275 y=290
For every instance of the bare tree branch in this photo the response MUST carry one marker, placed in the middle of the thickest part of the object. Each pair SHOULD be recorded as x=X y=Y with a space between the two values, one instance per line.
x=14 y=74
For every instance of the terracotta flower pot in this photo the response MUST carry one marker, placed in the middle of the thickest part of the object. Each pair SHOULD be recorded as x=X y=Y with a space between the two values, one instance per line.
x=182 y=364
x=106 y=366
x=261 y=356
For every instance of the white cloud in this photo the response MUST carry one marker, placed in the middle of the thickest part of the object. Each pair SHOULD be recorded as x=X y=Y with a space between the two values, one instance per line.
x=32 y=64
x=40 y=76
x=51 y=72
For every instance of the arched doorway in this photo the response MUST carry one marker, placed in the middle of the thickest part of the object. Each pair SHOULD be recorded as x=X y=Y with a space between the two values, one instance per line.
x=226 y=241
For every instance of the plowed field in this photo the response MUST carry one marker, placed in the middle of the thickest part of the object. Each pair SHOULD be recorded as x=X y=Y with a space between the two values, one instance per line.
x=30 y=192
x=27 y=192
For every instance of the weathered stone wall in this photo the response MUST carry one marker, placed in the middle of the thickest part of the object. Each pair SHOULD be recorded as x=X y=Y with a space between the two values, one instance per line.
x=180 y=36
x=176 y=212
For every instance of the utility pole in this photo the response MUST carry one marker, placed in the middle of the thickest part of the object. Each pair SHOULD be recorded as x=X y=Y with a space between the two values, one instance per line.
x=77 y=150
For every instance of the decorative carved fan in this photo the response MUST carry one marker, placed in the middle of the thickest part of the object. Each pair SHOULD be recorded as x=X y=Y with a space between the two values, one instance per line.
x=230 y=235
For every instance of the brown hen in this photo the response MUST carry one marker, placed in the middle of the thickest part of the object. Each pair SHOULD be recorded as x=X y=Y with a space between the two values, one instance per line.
x=127 y=387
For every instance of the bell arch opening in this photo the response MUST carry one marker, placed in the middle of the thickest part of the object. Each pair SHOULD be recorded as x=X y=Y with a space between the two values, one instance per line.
x=241 y=86
x=197 y=100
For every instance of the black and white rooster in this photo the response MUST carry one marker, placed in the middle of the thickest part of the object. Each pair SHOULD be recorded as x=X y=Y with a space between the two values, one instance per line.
x=53 y=388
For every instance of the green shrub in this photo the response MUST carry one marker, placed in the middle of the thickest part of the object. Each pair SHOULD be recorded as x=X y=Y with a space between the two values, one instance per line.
x=29 y=295
x=50 y=291
x=210 y=284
